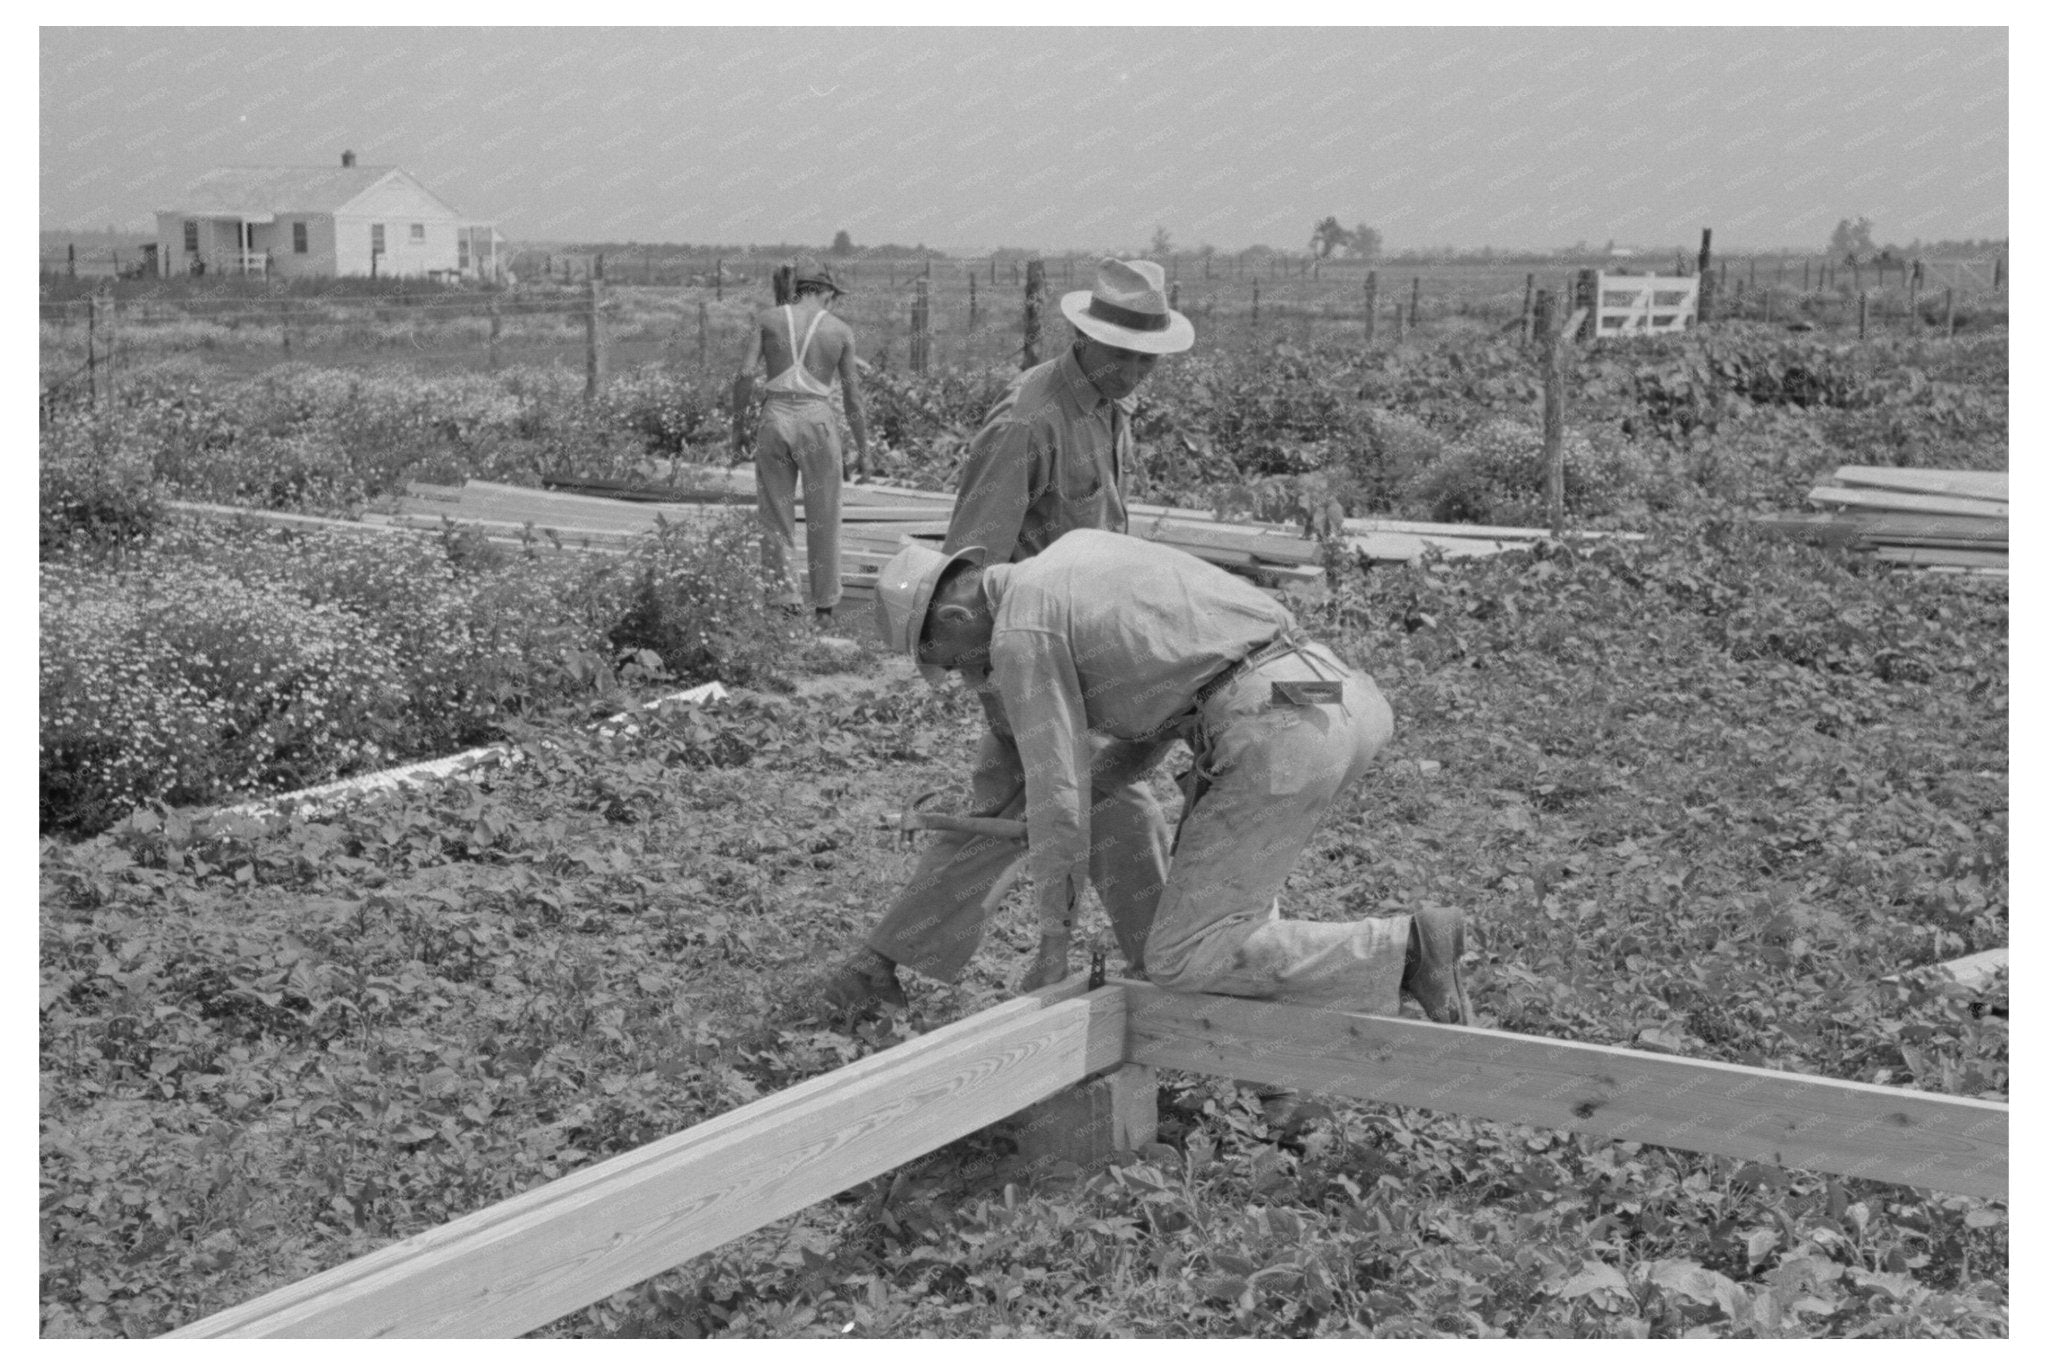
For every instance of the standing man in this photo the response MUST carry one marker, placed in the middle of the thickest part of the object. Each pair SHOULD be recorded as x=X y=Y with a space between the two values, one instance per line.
x=1053 y=457
x=807 y=349
x=1280 y=728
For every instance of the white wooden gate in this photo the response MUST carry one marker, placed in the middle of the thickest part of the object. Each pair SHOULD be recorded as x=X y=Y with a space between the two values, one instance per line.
x=1630 y=304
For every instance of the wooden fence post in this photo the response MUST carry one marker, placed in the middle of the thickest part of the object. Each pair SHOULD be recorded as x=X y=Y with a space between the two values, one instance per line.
x=1528 y=307
x=920 y=324
x=973 y=304
x=1415 y=301
x=1553 y=409
x=92 y=350
x=1806 y=276
x=113 y=321
x=1034 y=302
x=1948 y=311
x=1255 y=300
x=497 y=325
x=1704 y=309
x=1862 y=315
x=1913 y=301
x=593 y=335
x=1398 y=315
x=703 y=335
x=1997 y=272
x=718 y=277
x=1173 y=296
x=1586 y=295
x=1372 y=303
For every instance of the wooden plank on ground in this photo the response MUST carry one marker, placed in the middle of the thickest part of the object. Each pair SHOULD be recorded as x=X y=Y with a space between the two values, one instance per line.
x=1967 y=483
x=1881 y=525
x=527 y=1261
x=574 y=537
x=1888 y=500
x=295 y=520
x=1917 y=556
x=1906 y=1137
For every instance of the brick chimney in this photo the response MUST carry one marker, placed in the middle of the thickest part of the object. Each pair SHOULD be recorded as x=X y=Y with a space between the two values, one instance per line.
x=348 y=158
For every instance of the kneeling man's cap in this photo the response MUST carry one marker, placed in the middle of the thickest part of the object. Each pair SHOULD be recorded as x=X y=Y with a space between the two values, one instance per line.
x=903 y=593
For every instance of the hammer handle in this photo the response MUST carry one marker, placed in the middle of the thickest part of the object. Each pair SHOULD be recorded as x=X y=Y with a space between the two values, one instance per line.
x=984 y=826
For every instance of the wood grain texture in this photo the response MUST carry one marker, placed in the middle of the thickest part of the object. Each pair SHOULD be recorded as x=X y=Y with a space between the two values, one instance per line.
x=1892 y=500
x=1906 y=1137
x=1952 y=558
x=522 y=1263
x=1968 y=483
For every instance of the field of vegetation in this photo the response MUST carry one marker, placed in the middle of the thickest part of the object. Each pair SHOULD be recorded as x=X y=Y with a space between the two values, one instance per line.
x=1706 y=791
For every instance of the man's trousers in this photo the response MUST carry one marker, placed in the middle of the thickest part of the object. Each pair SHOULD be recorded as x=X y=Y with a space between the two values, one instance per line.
x=1264 y=776
x=799 y=437
x=937 y=921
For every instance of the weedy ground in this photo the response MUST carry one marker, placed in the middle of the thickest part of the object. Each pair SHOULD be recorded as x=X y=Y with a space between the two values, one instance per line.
x=1700 y=793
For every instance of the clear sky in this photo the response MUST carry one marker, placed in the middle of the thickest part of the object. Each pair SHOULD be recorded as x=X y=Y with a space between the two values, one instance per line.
x=1066 y=137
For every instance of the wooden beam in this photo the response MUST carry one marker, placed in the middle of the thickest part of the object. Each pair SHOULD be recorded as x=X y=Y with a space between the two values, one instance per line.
x=1955 y=559
x=1906 y=1137
x=1967 y=483
x=525 y=1262
x=1888 y=500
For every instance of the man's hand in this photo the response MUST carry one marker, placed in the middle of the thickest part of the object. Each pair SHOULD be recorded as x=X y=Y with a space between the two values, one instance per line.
x=1051 y=964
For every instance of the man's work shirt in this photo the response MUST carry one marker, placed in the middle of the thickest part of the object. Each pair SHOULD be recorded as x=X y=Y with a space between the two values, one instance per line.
x=1050 y=459
x=1111 y=634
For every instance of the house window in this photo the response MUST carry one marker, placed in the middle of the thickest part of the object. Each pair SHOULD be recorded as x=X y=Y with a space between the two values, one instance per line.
x=191 y=235
x=299 y=238
x=419 y=232
x=376 y=239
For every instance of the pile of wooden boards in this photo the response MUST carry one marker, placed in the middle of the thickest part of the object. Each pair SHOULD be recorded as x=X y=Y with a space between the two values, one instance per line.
x=876 y=517
x=1947 y=519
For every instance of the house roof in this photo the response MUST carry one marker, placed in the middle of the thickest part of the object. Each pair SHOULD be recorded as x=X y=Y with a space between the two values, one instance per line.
x=259 y=191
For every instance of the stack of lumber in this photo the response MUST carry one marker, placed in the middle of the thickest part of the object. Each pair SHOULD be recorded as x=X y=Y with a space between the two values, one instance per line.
x=876 y=517
x=1947 y=519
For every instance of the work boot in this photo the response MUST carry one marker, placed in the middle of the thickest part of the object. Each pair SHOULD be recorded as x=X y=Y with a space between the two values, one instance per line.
x=863 y=981
x=1436 y=940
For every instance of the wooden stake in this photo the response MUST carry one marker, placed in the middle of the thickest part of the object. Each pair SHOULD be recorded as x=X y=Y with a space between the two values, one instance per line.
x=1372 y=303
x=593 y=336
x=703 y=335
x=1255 y=300
x=1528 y=307
x=920 y=323
x=92 y=350
x=1553 y=409
x=1415 y=302
x=1034 y=303
x=1948 y=311
x=1705 y=308
x=113 y=335
x=497 y=326
x=1862 y=316
x=718 y=278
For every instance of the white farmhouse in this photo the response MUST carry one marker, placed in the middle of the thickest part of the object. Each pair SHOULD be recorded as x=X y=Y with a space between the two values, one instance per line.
x=320 y=220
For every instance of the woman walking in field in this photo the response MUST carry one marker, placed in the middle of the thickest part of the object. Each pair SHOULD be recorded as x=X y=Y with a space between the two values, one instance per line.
x=807 y=351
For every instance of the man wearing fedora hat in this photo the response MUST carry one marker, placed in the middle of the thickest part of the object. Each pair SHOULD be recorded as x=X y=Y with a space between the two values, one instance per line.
x=1053 y=456
x=1279 y=726
x=799 y=432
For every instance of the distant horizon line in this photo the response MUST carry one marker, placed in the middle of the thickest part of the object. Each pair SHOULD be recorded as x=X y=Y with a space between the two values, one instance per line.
x=897 y=250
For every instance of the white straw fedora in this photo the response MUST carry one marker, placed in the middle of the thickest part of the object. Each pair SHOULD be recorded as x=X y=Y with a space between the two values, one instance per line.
x=1127 y=308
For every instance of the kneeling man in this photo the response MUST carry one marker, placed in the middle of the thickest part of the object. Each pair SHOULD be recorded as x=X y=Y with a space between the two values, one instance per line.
x=1101 y=633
